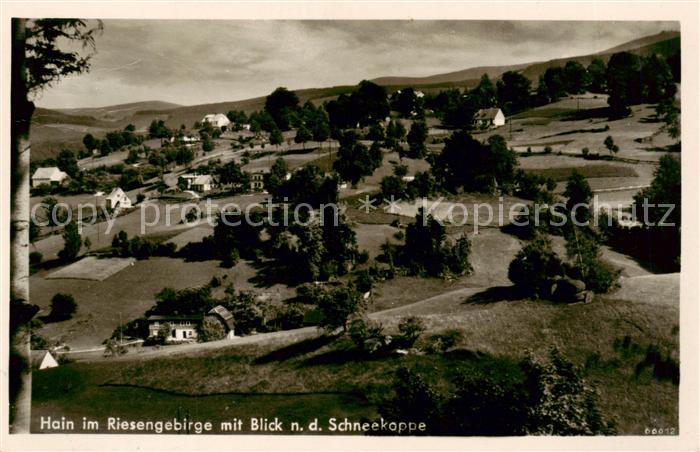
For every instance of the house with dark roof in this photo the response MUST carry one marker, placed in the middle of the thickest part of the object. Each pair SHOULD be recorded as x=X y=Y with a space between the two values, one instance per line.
x=185 y=328
x=179 y=328
x=487 y=118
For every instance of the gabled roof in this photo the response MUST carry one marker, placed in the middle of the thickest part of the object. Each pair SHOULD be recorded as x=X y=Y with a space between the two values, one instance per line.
x=116 y=193
x=215 y=117
x=487 y=113
x=203 y=179
x=37 y=357
x=224 y=314
x=196 y=317
x=48 y=173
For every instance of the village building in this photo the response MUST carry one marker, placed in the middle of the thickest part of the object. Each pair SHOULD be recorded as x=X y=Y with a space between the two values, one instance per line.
x=43 y=359
x=48 y=176
x=487 y=118
x=203 y=183
x=257 y=179
x=219 y=120
x=184 y=328
x=179 y=327
x=185 y=180
x=117 y=199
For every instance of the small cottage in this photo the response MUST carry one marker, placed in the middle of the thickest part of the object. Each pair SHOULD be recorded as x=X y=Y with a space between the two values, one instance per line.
x=219 y=120
x=117 y=199
x=48 y=176
x=43 y=359
x=203 y=183
x=487 y=118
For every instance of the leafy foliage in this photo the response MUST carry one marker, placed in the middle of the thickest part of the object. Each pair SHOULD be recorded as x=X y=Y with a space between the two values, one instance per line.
x=534 y=266
x=500 y=398
x=63 y=306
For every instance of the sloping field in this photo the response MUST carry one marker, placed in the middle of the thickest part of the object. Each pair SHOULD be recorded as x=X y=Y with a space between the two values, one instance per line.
x=653 y=289
x=92 y=268
x=129 y=293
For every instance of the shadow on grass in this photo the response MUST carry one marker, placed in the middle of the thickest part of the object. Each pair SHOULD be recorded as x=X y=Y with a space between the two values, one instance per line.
x=308 y=150
x=591 y=113
x=297 y=349
x=670 y=148
x=495 y=294
x=571 y=132
x=270 y=273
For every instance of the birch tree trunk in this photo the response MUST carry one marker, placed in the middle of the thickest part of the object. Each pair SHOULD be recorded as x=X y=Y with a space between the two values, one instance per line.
x=22 y=109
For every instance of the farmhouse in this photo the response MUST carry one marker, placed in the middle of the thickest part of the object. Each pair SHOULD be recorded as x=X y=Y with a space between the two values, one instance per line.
x=489 y=117
x=217 y=120
x=43 y=359
x=117 y=199
x=177 y=327
x=203 y=183
x=48 y=176
x=183 y=328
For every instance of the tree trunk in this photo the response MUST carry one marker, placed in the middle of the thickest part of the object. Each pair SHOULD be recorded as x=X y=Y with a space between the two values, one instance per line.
x=22 y=109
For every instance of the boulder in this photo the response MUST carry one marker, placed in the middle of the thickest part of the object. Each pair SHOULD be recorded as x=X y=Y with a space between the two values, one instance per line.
x=567 y=290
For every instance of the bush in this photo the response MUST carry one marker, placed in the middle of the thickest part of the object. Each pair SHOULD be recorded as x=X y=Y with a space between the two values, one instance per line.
x=534 y=266
x=35 y=259
x=210 y=330
x=63 y=306
x=368 y=335
x=499 y=398
x=291 y=317
x=411 y=329
x=602 y=277
x=444 y=341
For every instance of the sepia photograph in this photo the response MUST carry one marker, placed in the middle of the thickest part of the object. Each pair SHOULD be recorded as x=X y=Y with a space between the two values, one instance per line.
x=368 y=228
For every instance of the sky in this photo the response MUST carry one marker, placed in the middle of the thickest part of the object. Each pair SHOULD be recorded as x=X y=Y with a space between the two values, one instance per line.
x=197 y=62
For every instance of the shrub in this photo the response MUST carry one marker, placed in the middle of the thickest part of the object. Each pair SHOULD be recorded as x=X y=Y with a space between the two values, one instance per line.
x=210 y=330
x=411 y=329
x=602 y=277
x=534 y=266
x=499 y=398
x=291 y=317
x=547 y=149
x=35 y=258
x=444 y=341
x=63 y=306
x=367 y=335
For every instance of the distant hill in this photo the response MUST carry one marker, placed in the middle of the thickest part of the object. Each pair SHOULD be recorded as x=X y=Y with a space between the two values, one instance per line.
x=121 y=111
x=53 y=130
x=665 y=43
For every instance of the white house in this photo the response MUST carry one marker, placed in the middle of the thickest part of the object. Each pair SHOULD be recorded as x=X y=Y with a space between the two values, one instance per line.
x=203 y=183
x=48 y=176
x=43 y=359
x=420 y=94
x=489 y=117
x=183 y=328
x=217 y=120
x=117 y=199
